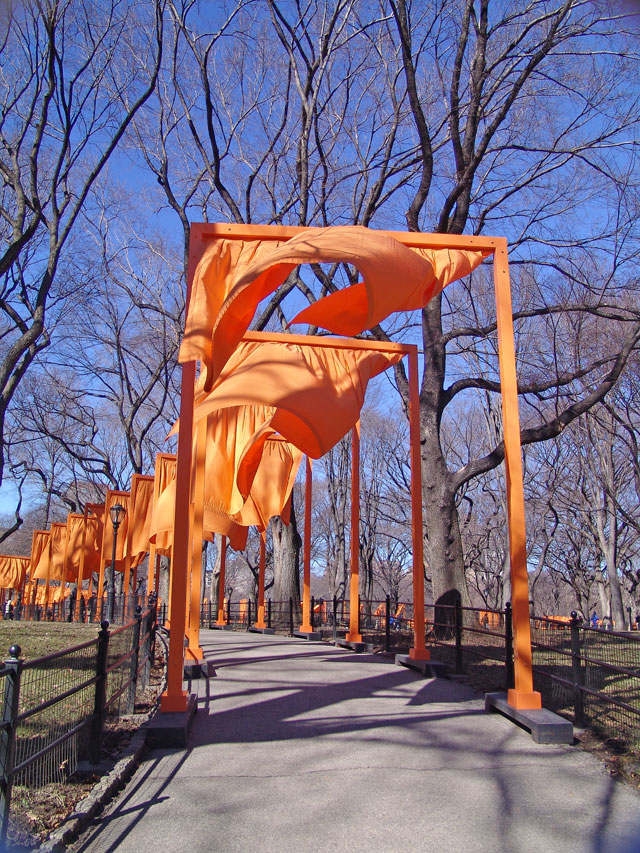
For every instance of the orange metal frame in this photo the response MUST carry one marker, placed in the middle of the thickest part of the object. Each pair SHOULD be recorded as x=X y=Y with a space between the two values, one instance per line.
x=522 y=696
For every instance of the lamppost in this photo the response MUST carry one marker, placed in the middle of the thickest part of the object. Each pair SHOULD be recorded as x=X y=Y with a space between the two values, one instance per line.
x=229 y=591
x=117 y=513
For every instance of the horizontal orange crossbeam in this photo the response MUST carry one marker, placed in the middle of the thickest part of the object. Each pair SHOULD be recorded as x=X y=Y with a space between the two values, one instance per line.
x=330 y=342
x=265 y=233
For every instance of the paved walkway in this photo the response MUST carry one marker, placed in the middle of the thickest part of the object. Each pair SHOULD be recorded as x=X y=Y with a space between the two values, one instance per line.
x=303 y=747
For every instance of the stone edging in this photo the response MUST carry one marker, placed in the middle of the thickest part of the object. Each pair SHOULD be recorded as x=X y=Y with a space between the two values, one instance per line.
x=100 y=794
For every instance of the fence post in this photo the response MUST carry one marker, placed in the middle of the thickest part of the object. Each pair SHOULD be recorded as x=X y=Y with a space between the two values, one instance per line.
x=135 y=662
x=387 y=624
x=8 y=737
x=248 y=613
x=313 y=610
x=359 y=618
x=268 y=613
x=508 y=646
x=576 y=671
x=457 y=613
x=100 y=704
x=228 y=610
x=335 y=618
x=290 y=616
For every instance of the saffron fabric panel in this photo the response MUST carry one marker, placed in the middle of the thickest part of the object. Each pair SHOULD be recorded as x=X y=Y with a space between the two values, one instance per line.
x=141 y=513
x=214 y=278
x=225 y=295
x=317 y=393
x=40 y=554
x=124 y=499
x=13 y=570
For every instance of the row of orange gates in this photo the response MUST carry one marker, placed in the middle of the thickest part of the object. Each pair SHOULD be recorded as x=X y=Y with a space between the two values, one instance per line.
x=74 y=558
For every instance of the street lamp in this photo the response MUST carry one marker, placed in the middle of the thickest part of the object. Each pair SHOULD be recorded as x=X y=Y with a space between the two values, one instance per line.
x=117 y=513
x=229 y=591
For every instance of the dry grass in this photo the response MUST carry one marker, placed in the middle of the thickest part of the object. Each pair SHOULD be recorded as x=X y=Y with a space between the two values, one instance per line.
x=37 y=639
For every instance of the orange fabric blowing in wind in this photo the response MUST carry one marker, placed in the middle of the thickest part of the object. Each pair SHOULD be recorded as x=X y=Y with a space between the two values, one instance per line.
x=12 y=571
x=396 y=278
x=141 y=513
x=40 y=554
x=162 y=517
x=124 y=499
x=271 y=484
x=58 y=548
x=317 y=392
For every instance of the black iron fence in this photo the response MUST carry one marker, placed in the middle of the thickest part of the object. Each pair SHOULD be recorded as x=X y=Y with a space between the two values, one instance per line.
x=54 y=708
x=92 y=609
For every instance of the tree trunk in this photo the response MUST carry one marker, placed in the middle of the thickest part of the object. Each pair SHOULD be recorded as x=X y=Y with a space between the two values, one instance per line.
x=443 y=546
x=286 y=559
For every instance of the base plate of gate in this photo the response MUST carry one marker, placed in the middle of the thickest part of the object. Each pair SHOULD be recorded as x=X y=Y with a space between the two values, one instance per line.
x=308 y=635
x=356 y=647
x=215 y=627
x=170 y=728
x=544 y=725
x=428 y=668
x=255 y=630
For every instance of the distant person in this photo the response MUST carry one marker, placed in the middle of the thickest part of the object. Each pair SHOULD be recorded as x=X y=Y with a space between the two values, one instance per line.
x=10 y=610
x=594 y=619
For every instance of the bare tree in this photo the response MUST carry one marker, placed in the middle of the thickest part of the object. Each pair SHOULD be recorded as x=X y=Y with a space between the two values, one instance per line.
x=72 y=82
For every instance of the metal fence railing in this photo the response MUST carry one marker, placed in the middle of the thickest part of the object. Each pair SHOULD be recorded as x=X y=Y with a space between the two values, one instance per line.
x=53 y=709
x=92 y=609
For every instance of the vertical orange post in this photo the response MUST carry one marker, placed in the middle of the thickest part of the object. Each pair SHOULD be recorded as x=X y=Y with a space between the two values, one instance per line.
x=419 y=650
x=306 y=582
x=222 y=616
x=81 y=566
x=47 y=588
x=34 y=581
x=151 y=569
x=174 y=697
x=193 y=649
x=353 y=635
x=523 y=695
x=261 y=572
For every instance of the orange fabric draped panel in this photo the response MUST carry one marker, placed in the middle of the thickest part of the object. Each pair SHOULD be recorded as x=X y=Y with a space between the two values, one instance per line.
x=124 y=499
x=40 y=554
x=317 y=392
x=232 y=431
x=271 y=484
x=13 y=570
x=141 y=513
x=93 y=539
x=161 y=525
x=363 y=305
x=58 y=549
x=214 y=278
x=396 y=278
x=75 y=535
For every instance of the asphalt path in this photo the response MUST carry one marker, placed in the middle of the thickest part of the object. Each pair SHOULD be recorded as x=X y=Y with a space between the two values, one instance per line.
x=298 y=746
